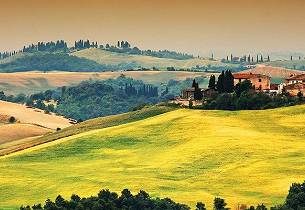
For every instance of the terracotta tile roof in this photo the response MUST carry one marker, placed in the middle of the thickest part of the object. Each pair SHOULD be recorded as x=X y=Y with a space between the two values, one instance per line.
x=247 y=76
x=296 y=86
x=274 y=86
x=297 y=77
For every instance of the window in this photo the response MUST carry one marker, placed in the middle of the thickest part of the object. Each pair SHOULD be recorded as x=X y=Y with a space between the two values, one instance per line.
x=259 y=80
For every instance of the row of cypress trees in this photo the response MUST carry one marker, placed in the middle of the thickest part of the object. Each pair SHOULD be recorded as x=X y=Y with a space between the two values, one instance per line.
x=224 y=84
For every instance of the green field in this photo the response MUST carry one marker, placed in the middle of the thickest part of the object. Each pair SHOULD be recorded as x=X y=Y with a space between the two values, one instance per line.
x=188 y=155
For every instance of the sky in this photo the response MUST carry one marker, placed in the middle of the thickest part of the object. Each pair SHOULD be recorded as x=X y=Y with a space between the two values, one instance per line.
x=199 y=27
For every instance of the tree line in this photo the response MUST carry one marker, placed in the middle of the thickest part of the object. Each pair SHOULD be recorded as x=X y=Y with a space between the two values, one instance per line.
x=59 y=45
x=250 y=59
x=125 y=47
x=120 y=47
x=107 y=200
x=143 y=90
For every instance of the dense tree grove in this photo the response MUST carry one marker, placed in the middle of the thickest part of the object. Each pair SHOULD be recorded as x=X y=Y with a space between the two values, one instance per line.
x=96 y=98
x=225 y=82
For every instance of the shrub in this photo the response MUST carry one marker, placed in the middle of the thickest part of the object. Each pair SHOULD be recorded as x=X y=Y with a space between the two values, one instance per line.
x=12 y=119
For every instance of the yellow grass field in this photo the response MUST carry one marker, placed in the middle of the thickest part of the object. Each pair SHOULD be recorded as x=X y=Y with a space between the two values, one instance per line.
x=33 y=82
x=188 y=155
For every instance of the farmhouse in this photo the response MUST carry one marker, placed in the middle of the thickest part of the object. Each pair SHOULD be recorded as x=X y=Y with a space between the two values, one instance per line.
x=296 y=79
x=189 y=93
x=295 y=88
x=259 y=81
x=295 y=84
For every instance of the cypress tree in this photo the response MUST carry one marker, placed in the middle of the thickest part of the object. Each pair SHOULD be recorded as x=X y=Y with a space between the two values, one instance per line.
x=212 y=82
x=220 y=82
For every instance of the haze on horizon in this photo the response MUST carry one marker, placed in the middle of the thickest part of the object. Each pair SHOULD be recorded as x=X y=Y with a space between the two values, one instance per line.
x=193 y=26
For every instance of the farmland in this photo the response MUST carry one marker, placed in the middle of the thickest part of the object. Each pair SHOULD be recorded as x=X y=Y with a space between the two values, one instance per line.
x=29 y=123
x=33 y=82
x=188 y=155
x=112 y=58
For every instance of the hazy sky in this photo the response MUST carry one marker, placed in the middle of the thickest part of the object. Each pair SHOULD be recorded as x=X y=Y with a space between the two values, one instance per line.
x=194 y=26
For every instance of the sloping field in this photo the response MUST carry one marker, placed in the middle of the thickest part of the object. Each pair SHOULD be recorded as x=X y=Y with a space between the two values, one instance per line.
x=274 y=72
x=9 y=146
x=33 y=116
x=189 y=155
x=112 y=58
x=12 y=132
x=33 y=82
x=30 y=123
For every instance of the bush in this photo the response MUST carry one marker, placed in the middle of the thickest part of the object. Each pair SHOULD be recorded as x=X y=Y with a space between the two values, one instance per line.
x=12 y=119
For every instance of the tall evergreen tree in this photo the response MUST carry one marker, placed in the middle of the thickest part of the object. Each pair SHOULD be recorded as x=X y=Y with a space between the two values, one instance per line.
x=212 y=82
x=220 y=82
x=228 y=82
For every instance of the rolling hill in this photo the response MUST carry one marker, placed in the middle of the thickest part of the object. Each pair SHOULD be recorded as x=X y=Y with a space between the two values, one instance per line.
x=189 y=155
x=33 y=82
x=30 y=123
x=112 y=58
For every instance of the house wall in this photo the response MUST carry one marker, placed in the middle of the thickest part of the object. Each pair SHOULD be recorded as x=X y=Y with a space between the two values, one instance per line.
x=260 y=83
x=294 y=89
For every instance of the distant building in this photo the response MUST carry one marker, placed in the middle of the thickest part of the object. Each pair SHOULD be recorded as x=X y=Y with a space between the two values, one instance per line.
x=295 y=84
x=295 y=88
x=295 y=79
x=259 y=81
x=188 y=93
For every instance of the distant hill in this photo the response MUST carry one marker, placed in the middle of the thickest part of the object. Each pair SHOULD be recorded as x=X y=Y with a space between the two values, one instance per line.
x=49 y=62
x=37 y=81
x=111 y=58
x=188 y=155
x=98 y=60
x=276 y=73
x=294 y=64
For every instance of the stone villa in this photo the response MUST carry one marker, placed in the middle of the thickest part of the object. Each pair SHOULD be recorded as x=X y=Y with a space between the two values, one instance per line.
x=259 y=81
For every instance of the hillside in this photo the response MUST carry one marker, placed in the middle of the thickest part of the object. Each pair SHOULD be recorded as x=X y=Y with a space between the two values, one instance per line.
x=294 y=64
x=276 y=73
x=33 y=82
x=111 y=58
x=48 y=62
x=189 y=155
x=30 y=123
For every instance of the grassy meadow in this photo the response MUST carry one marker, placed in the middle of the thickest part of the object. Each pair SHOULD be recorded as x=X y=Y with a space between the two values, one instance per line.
x=188 y=155
x=112 y=58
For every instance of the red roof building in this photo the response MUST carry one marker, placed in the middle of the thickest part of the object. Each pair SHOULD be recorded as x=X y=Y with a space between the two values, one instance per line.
x=259 y=81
